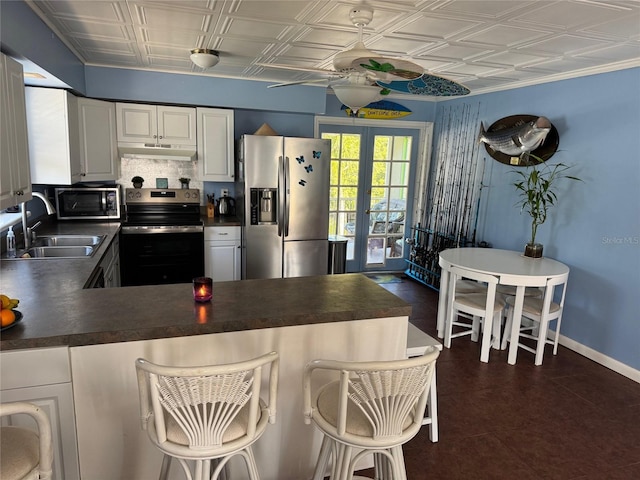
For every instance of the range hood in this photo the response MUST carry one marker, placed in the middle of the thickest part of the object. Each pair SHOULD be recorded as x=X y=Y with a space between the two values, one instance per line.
x=159 y=152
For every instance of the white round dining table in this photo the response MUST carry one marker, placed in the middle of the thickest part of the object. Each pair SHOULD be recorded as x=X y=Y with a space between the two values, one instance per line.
x=511 y=267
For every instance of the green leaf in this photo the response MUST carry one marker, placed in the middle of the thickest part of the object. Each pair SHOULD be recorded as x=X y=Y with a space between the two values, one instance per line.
x=536 y=190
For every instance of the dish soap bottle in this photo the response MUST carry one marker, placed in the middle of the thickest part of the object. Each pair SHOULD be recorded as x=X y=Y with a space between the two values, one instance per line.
x=11 y=243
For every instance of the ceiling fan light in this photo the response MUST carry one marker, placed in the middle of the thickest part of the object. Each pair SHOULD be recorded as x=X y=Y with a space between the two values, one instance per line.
x=356 y=96
x=204 y=58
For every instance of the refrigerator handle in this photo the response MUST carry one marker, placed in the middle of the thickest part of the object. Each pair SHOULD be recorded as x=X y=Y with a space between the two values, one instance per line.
x=287 y=196
x=281 y=190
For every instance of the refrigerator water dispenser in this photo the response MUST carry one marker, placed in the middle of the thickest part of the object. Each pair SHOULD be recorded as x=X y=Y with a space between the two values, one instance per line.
x=264 y=206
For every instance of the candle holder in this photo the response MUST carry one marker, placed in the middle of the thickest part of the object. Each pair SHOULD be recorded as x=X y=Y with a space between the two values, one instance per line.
x=202 y=289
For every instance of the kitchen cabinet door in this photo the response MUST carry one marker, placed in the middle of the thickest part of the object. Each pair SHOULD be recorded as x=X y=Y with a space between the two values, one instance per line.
x=98 y=146
x=215 y=144
x=54 y=139
x=176 y=125
x=110 y=264
x=155 y=124
x=15 y=180
x=222 y=253
x=136 y=123
x=57 y=402
x=43 y=376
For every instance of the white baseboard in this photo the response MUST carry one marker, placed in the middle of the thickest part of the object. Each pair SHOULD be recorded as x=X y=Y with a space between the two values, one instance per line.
x=600 y=358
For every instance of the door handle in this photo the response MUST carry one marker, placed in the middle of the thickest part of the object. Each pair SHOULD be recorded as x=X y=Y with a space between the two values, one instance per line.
x=281 y=192
x=287 y=193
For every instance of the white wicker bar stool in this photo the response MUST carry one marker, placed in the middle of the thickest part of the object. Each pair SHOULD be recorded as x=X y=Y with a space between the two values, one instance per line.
x=25 y=454
x=204 y=416
x=373 y=409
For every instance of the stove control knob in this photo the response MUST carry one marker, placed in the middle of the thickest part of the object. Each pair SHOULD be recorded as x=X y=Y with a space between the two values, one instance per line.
x=187 y=195
x=195 y=195
x=138 y=195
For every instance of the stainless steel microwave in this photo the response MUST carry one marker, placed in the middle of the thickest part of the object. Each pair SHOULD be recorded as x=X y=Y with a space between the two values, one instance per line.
x=90 y=203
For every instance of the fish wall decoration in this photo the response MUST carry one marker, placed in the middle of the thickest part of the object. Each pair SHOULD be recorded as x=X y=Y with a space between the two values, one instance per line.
x=512 y=139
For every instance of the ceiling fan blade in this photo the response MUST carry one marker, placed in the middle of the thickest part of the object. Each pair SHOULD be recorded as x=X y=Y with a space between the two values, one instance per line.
x=389 y=69
x=299 y=69
x=427 y=84
x=298 y=82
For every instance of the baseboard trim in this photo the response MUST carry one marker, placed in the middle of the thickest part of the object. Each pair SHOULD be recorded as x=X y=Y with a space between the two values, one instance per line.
x=600 y=358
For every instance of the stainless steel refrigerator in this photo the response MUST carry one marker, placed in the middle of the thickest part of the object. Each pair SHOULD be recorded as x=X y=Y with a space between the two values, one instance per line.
x=282 y=190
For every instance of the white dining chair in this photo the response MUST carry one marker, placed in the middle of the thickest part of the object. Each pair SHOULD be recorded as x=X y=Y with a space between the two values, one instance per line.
x=25 y=454
x=484 y=308
x=464 y=285
x=205 y=415
x=540 y=311
x=373 y=408
x=510 y=291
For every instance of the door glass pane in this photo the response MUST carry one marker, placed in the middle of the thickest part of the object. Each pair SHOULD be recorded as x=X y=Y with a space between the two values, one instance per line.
x=388 y=202
x=345 y=168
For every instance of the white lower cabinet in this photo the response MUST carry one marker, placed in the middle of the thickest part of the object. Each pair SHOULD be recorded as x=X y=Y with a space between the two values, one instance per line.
x=110 y=264
x=222 y=250
x=43 y=376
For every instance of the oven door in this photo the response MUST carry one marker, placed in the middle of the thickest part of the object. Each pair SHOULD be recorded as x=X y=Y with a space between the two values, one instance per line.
x=160 y=255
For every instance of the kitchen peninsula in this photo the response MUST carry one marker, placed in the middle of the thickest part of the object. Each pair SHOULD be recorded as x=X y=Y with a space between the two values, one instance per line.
x=345 y=317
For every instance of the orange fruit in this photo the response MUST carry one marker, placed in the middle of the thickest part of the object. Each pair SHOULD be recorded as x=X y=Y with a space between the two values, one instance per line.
x=7 y=316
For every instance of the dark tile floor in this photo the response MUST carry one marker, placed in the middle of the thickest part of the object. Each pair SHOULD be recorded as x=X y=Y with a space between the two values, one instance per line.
x=570 y=418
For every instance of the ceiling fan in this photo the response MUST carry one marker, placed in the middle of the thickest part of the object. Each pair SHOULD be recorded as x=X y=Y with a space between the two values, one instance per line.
x=361 y=76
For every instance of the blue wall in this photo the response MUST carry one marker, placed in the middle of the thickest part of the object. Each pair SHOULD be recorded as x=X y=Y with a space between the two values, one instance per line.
x=23 y=33
x=145 y=86
x=595 y=228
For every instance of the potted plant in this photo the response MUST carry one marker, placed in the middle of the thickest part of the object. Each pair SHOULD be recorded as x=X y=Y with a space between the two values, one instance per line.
x=137 y=181
x=536 y=188
x=184 y=182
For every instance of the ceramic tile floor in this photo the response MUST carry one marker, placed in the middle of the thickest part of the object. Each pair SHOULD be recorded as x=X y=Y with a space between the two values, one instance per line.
x=567 y=419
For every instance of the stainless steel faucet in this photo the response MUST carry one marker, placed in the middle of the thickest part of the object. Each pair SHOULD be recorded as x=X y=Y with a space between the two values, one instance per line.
x=29 y=233
x=45 y=200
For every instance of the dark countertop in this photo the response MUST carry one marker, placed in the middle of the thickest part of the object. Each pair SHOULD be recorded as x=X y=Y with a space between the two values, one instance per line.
x=58 y=312
x=219 y=221
x=27 y=278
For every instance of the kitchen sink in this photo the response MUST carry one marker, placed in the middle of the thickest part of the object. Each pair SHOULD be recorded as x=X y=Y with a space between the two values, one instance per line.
x=61 y=246
x=68 y=240
x=60 y=252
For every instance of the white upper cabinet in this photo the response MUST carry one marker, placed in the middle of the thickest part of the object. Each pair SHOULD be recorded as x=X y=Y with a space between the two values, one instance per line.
x=98 y=145
x=156 y=124
x=71 y=139
x=54 y=139
x=215 y=144
x=15 y=179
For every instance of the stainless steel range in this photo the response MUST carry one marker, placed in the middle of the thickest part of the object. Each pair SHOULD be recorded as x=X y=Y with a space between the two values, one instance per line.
x=162 y=237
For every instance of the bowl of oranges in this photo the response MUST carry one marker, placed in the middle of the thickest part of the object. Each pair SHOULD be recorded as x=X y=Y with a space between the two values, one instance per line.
x=9 y=316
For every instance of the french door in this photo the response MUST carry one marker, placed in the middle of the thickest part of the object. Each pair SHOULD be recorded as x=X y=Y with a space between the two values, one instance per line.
x=371 y=192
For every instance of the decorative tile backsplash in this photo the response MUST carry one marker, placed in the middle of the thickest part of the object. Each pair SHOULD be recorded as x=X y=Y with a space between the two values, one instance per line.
x=150 y=169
